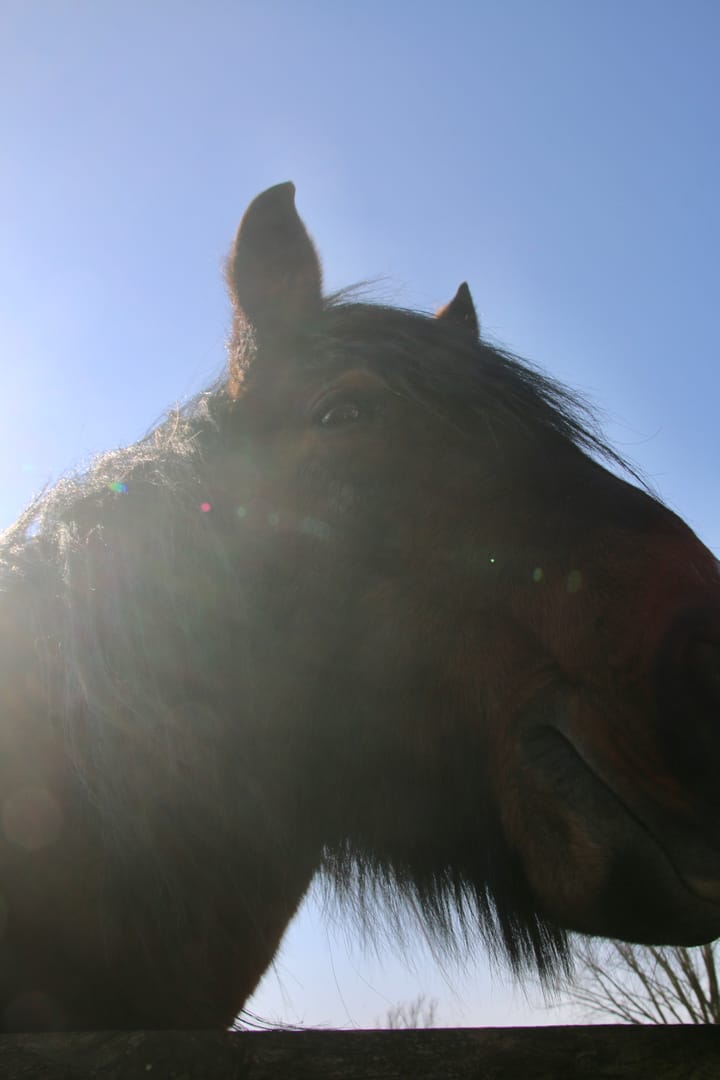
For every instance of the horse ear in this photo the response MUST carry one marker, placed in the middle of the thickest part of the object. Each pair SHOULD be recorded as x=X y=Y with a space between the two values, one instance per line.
x=461 y=312
x=273 y=271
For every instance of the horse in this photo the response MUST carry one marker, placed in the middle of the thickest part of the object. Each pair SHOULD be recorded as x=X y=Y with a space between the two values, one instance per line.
x=378 y=605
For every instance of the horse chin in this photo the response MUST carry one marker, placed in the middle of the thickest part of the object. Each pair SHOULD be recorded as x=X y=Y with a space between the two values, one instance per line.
x=599 y=866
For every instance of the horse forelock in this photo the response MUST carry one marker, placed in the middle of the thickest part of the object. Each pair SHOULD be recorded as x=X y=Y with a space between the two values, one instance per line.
x=473 y=384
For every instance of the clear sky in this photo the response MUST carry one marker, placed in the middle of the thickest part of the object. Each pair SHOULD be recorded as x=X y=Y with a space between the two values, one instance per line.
x=562 y=156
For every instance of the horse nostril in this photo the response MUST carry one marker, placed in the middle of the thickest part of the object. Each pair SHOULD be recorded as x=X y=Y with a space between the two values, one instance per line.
x=689 y=664
x=703 y=666
x=688 y=698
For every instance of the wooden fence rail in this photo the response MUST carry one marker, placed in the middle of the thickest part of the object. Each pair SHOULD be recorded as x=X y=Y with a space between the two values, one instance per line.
x=551 y=1053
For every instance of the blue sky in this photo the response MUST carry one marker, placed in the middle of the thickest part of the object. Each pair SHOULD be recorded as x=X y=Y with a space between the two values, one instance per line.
x=561 y=156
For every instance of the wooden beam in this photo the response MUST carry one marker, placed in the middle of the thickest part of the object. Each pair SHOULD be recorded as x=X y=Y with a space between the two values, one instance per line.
x=545 y=1053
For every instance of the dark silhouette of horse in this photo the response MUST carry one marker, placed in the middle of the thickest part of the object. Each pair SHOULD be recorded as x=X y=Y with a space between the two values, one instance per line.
x=372 y=605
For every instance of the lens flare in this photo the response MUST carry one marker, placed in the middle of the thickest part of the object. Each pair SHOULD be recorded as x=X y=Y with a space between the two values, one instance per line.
x=574 y=581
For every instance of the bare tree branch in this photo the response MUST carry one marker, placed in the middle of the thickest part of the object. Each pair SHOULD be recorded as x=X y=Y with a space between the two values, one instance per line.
x=419 y=1013
x=647 y=984
x=712 y=979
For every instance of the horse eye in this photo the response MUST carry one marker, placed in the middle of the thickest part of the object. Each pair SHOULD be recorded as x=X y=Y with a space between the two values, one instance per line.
x=347 y=412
